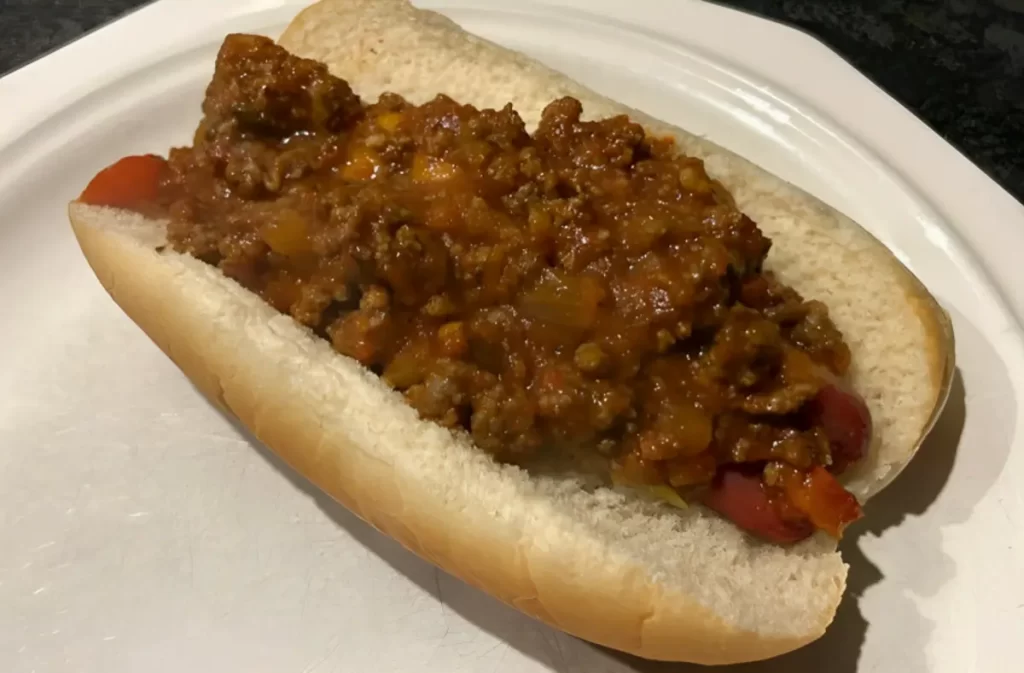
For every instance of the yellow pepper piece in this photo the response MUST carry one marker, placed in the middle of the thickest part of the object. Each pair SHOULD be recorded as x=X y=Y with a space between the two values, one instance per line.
x=362 y=164
x=426 y=169
x=287 y=235
x=389 y=121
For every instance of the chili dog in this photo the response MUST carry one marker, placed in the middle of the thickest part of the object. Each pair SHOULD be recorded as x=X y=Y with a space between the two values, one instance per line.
x=505 y=321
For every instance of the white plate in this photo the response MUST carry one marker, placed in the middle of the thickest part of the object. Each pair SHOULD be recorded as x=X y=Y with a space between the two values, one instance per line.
x=143 y=532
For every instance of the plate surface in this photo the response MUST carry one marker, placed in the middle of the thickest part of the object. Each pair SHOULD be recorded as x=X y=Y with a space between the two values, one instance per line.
x=143 y=531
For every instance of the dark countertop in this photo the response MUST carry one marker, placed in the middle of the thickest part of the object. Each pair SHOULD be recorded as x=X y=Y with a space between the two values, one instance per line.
x=958 y=64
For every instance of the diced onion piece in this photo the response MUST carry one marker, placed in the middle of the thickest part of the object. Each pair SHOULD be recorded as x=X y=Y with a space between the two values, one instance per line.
x=565 y=301
x=668 y=494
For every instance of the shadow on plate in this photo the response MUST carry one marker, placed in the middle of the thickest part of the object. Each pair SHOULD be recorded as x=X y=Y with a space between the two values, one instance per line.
x=915 y=491
x=841 y=645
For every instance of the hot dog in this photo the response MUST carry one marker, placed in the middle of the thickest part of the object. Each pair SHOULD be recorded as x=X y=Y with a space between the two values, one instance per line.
x=417 y=303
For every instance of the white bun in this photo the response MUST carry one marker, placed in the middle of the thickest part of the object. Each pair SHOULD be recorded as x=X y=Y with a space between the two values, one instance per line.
x=612 y=569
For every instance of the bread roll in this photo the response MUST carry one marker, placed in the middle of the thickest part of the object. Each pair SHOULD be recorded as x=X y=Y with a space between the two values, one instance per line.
x=603 y=565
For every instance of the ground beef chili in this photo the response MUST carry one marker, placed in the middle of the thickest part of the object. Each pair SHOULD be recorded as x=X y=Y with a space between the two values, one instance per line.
x=584 y=287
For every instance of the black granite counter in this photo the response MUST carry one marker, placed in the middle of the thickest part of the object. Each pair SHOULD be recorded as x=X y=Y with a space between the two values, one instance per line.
x=958 y=64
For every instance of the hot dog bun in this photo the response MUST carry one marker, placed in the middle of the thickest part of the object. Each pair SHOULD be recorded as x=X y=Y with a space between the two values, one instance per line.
x=379 y=45
x=607 y=567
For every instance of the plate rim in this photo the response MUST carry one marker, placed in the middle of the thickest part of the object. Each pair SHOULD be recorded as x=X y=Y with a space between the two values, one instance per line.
x=918 y=192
